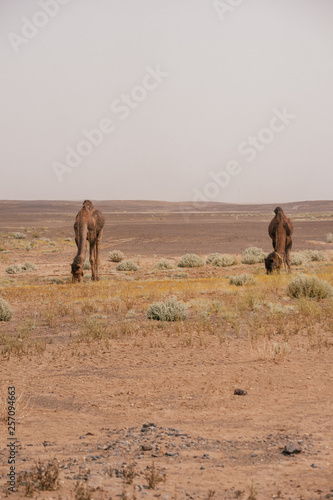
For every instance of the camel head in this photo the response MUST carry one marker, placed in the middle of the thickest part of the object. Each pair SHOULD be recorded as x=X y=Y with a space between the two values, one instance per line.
x=277 y=210
x=77 y=271
x=273 y=262
x=87 y=204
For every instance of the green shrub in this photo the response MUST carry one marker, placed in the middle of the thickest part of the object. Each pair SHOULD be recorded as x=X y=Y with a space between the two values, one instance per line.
x=5 y=311
x=242 y=279
x=298 y=259
x=315 y=255
x=253 y=255
x=191 y=260
x=86 y=265
x=28 y=266
x=127 y=265
x=329 y=237
x=163 y=264
x=13 y=269
x=116 y=256
x=309 y=287
x=19 y=236
x=170 y=310
x=220 y=260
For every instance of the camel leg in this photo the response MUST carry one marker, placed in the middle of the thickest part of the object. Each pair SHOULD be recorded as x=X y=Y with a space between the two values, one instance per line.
x=92 y=260
x=97 y=246
x=288 y=251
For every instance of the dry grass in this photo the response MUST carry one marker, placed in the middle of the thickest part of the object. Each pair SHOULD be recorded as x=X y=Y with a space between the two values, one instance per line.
x=44 y=477
x=217 y=311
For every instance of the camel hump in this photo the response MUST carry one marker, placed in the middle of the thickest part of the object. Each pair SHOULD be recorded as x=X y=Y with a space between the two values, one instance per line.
x=88 y=205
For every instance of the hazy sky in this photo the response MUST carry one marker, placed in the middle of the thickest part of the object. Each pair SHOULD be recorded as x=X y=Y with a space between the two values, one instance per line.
x=167 y=99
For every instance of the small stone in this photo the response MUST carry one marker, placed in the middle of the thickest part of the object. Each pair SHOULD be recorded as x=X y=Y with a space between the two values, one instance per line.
x=240 y=392
x=146 y=447
x=291 y=449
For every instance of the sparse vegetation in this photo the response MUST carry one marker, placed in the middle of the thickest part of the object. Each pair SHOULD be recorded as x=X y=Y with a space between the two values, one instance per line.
x=253 y=255
x=170 y=310
x=13 y=269
x=220 y=260
x=315 y=255
x=242 y=279
x=116 y=256
x=86 y=265
x=45 y=477
x=127 y=265
x=16 y=269
x=310 y=287
x=83 y=491
x=329 y=237
x=163 y=264
x=153 y=476
x=191 y=260
x=298 y=259
x=18 y=236
x=28 y=266
x=5 y=311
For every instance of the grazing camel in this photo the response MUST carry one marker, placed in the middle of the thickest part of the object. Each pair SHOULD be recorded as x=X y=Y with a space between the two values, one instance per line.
x=88 y=225
x=280 y=230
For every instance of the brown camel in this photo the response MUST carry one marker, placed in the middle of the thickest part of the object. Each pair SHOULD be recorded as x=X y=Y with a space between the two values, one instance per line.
x=280 y=230
x=88 y=225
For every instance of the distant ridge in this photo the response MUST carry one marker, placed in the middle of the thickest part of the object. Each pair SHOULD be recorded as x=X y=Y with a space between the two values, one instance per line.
x=141 y=206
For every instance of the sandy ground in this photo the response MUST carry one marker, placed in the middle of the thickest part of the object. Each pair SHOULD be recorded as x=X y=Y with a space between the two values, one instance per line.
x=161 y=396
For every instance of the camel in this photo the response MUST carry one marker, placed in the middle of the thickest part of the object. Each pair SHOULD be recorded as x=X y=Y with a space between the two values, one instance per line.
x=88 y=225
x=280 y=230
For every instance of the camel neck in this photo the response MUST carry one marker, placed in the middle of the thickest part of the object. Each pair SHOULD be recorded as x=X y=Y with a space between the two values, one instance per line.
x=82 y=239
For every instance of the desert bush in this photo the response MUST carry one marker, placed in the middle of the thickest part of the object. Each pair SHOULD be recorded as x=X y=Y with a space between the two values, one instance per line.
x=329 y=237
x=253 y=255
x=153 y=476
x=310 y=287
x=83 y=491
x=191 y=260
x=67 y=239
x=28 y=247
x=220 y=260
x=28 y=266
x=298 y=259
x=13 y=269
x=19 y=236
x=163 y=264
x=315 y=255
x=5 y=311
x=116 y=256
x=86 y=265
x=35 y=234
x=170 y=310
x=127 y=265
x=242 y=279
x=45 y=477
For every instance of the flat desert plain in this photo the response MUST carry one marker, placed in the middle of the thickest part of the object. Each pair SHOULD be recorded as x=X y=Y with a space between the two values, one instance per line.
x=110 y=404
